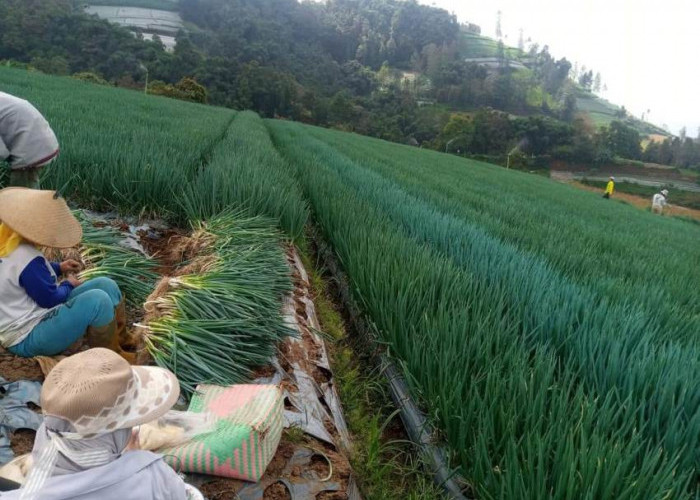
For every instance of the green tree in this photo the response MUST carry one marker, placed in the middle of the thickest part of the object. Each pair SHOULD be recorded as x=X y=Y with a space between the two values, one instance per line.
x=622 y=140
x=457 y=132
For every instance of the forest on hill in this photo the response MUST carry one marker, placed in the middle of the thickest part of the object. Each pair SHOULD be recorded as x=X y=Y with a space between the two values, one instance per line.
x=392 y=69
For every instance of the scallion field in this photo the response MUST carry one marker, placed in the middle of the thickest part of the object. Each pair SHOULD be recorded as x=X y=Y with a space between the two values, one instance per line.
x=551 y=335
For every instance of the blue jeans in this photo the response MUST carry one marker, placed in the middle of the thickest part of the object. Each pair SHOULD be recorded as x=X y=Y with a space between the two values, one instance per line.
x=90 y=304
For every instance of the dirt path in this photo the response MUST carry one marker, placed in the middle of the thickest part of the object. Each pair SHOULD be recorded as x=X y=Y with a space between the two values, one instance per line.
x=642 y=202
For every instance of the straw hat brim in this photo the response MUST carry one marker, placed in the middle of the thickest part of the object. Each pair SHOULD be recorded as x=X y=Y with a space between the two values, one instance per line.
x=162 y=392
x=97 y=391
x=152 y=394
x=40 y=217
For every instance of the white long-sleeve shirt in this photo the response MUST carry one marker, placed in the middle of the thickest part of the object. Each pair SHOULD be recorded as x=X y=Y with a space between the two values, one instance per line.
x=26 y=139
x=658 y=200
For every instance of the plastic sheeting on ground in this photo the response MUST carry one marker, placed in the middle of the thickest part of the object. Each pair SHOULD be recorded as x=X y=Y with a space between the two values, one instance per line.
x=14 y=412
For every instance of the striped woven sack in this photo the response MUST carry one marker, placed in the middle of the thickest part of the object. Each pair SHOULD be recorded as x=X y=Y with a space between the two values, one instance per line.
x=246 y=436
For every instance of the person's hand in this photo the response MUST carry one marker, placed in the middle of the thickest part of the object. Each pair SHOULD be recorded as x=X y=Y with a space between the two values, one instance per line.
x=70 y=267
x=74 y=281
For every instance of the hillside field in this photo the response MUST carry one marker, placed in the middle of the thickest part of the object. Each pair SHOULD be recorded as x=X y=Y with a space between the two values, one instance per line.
x=603 y=112
x=550 y=334
x=475 y=46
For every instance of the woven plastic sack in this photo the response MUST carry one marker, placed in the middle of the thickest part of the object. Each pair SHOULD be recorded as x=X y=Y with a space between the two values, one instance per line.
x=246 y=435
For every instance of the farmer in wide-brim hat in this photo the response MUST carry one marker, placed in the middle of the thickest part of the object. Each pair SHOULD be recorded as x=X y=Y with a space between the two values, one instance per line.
x=39 y=314
x=86 y=448
x=26 y=140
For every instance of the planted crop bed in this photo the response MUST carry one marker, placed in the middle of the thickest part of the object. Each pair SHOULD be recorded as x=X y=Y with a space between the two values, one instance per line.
x=551 y=341
x=119 y=148
x=217 y=315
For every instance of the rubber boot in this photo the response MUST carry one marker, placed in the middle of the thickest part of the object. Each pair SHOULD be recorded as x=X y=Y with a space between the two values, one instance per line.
x=129 y=341
x=120 y=318
x=107 y=337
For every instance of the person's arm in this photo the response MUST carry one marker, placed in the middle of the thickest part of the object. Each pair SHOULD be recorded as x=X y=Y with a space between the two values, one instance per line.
x=41 y=286
x=56 y=266
x=4 y=152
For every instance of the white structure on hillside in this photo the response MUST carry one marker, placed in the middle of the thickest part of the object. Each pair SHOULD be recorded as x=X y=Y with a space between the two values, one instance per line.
x=148 y=22
x=494 y=62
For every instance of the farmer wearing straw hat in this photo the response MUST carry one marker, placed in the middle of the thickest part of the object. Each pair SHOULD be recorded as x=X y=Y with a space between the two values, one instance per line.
x=91 y=402
x=26 y=140
x=609 y=188
x=40 y=316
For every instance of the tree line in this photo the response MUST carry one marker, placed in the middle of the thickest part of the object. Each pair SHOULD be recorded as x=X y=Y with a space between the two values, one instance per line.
x=387 y=68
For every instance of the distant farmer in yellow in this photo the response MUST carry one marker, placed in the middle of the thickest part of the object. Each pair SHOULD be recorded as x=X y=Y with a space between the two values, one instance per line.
x=26 y=141
x=659 y=201
x=610 y=188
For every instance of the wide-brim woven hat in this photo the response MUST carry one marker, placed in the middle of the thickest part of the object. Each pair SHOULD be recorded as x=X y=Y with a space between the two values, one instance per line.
x=40 y=217
x=97 y=391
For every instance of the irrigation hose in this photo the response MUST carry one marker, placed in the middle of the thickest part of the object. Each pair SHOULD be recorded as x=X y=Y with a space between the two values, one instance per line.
x=417 y=426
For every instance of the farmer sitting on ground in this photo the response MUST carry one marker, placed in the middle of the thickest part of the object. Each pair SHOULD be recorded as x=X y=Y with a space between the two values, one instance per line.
x=609 y=188
x=659 y=201
x=26 y=140
x=38 y=315
x=85 y=448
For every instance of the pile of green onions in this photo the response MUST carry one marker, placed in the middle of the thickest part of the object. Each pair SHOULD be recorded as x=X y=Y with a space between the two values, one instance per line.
x=219 y=325
x=104 y=255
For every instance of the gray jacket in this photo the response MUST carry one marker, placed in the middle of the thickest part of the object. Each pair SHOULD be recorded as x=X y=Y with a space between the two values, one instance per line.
x=136 y=475
x=26 y=139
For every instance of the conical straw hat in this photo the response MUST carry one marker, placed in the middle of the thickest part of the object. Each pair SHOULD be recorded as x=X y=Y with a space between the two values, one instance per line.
x=39 y=217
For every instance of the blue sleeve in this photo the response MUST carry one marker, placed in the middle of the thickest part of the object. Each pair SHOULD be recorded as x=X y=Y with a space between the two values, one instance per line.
x=41 y=285
x=56 y=268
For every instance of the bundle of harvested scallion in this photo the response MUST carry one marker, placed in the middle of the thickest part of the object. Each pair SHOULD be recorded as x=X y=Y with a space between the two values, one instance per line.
x=104 y=254
x=215 y=326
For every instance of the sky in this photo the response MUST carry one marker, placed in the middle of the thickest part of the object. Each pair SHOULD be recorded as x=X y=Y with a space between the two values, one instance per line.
x=648 y=52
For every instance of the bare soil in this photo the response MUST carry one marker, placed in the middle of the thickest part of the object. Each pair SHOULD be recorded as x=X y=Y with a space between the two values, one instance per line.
x=277 y=491
x=13 y=368
x=22 y=441
x=161 y=249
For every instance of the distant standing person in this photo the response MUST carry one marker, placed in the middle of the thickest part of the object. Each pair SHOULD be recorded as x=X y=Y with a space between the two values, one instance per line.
x=26 y=141
x=610 y=188
x=659 y=201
